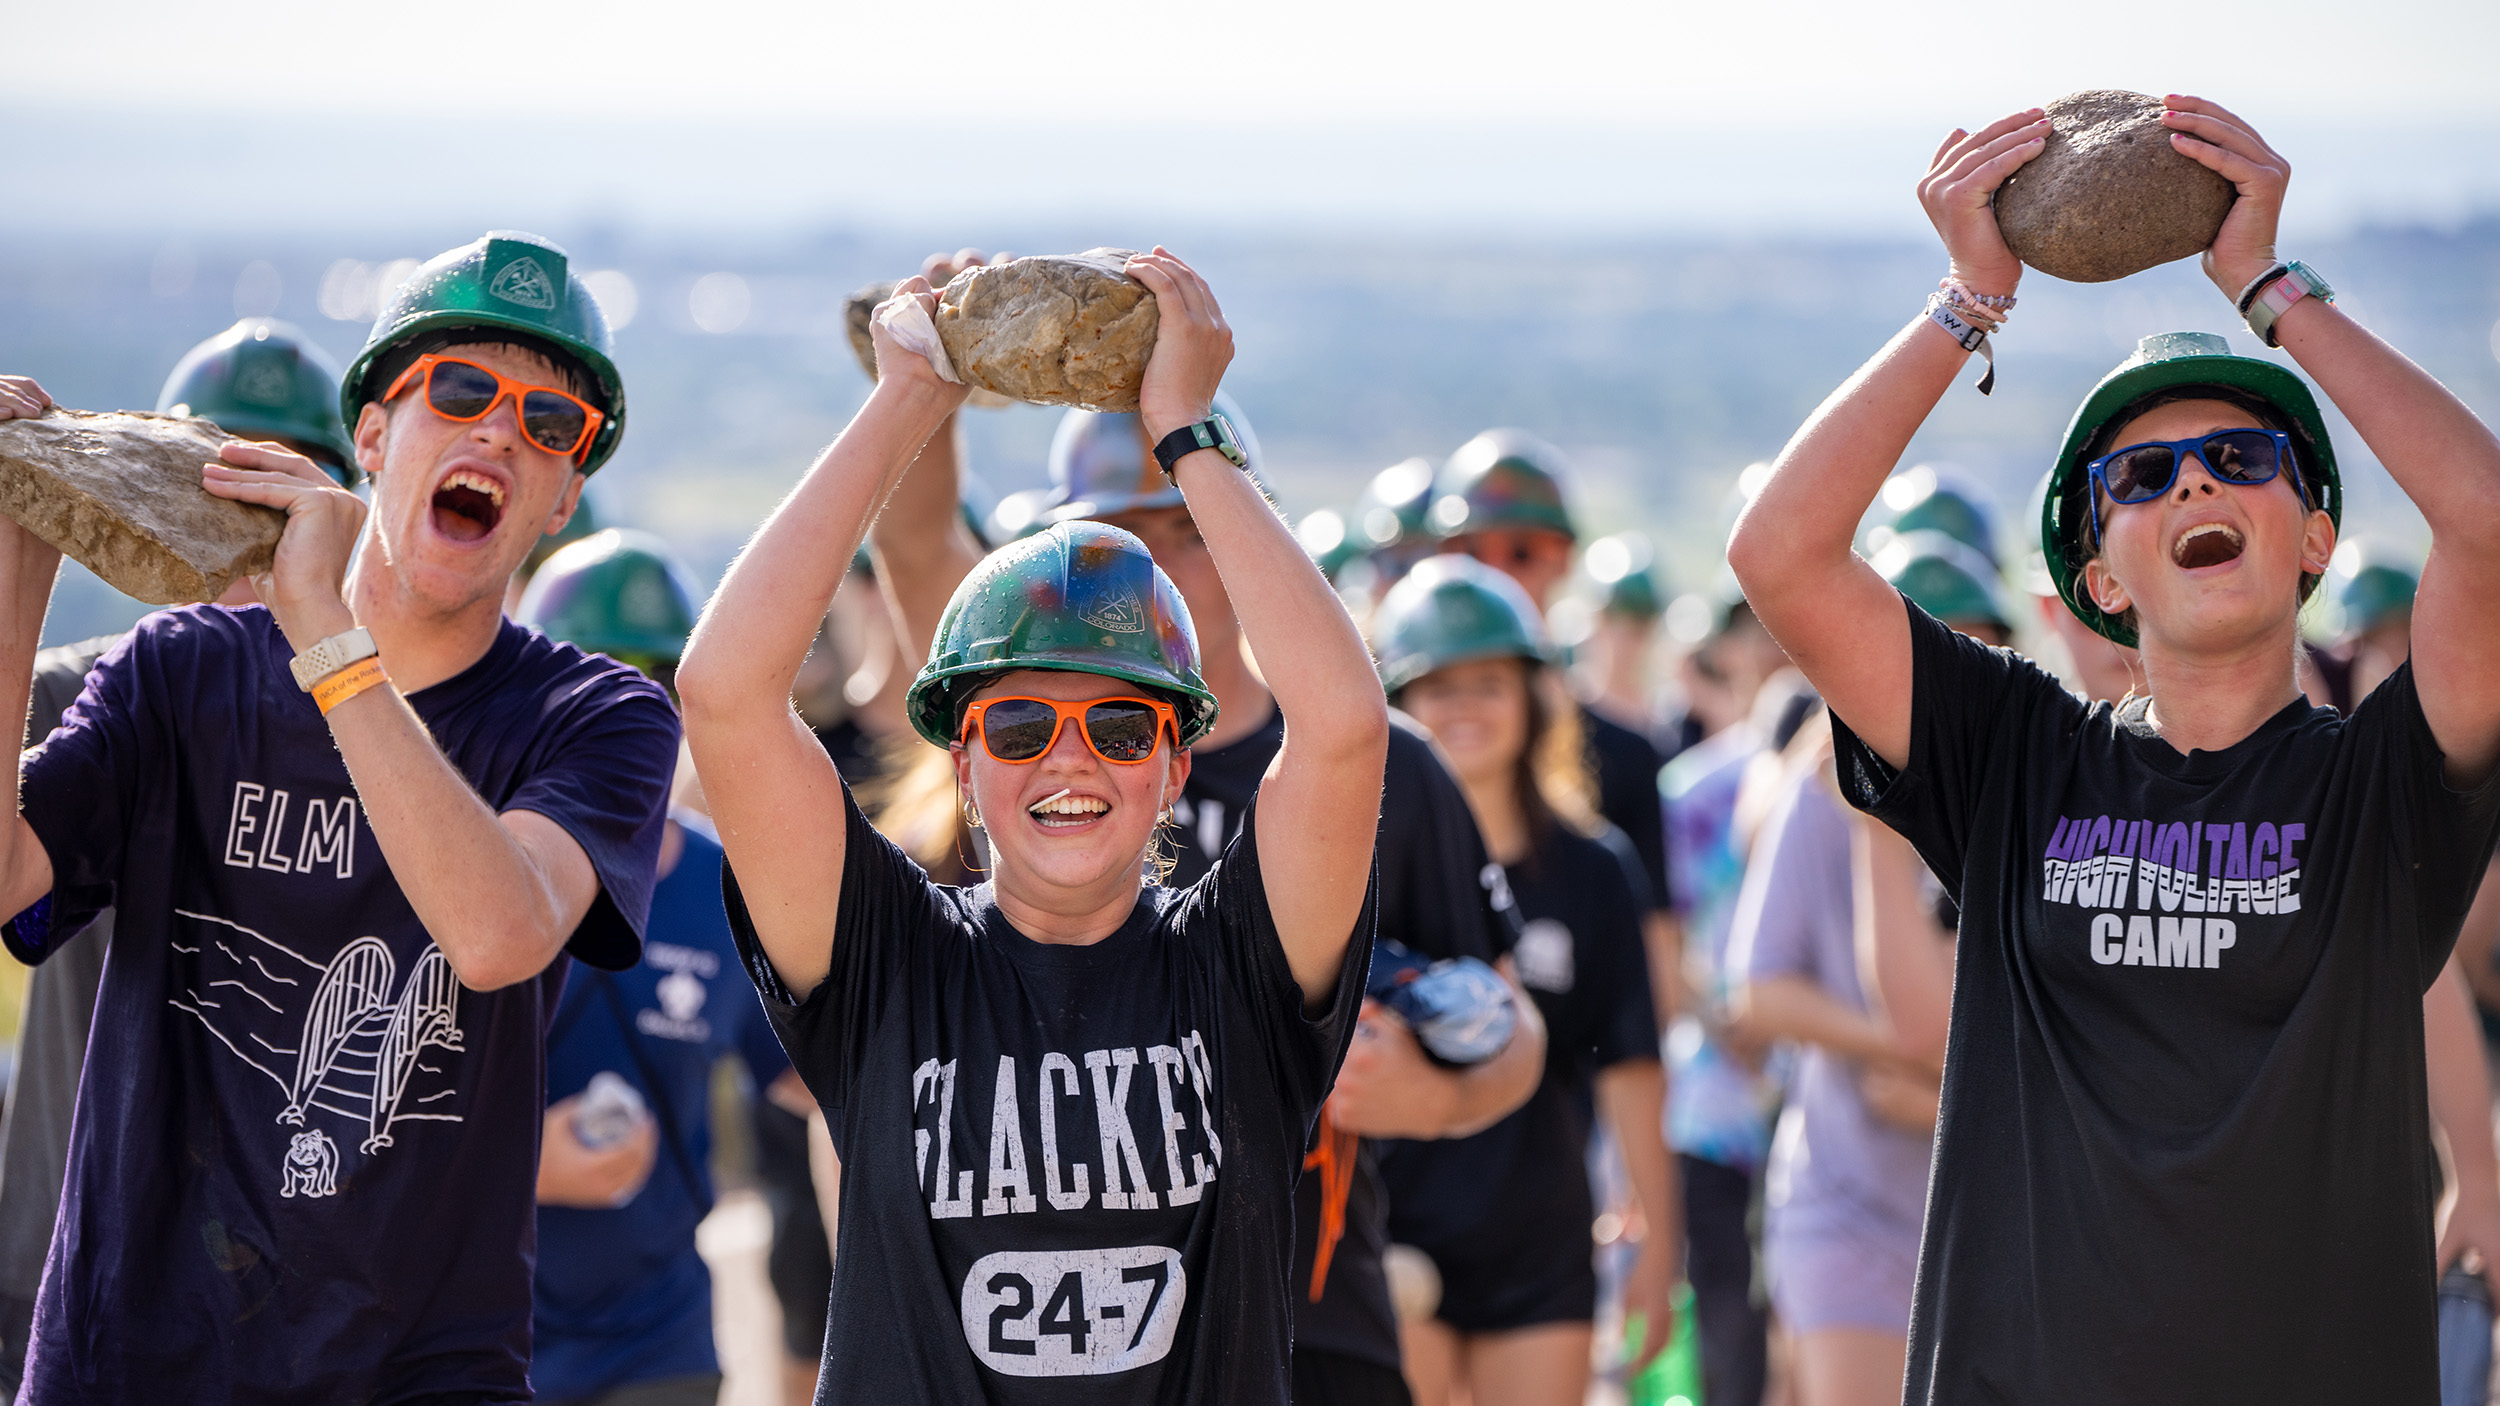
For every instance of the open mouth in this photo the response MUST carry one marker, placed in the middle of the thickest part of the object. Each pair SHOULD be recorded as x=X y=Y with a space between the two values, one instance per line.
x=467 y=506
x=2207 y=544
x=1066 y=810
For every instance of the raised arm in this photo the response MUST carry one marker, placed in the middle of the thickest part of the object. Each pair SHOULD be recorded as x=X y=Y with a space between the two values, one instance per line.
x=1319 y=805
x=923 y=550
x=773 y=791
x=1792 y=548
x=2446 y=460
x=28 y=565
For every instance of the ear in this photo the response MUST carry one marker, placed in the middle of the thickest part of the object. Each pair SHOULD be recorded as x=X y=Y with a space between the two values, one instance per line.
x=1175 y=773
x=566 y=502
x=2104 y=588
x=963 y=770
x=2317 y=542
x=372 y=422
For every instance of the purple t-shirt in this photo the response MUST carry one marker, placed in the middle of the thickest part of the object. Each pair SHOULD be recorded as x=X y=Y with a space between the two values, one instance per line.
x=1835 y=1166
x=303 y=1164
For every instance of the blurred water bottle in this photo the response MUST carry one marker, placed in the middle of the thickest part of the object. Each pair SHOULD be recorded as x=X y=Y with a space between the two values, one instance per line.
x=2464 y=1338
x=609 y=1112
x=1459 y=1009
x=1673 y=1378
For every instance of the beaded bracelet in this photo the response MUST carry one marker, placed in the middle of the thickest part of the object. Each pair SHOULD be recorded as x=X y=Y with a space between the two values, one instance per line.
x=1970 y=316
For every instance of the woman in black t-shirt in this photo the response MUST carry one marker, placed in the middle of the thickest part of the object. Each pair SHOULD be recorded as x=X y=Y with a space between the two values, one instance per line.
x=1505 y=1215
x=2181 y=1154
x=1071 y=1105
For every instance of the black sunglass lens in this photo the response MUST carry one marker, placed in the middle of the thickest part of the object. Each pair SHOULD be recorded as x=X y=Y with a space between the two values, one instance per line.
x=2242 y=456
x=553 y=423
x=1123 y=732
x=1018 y=730
x=459 y=390
x=2140 y=474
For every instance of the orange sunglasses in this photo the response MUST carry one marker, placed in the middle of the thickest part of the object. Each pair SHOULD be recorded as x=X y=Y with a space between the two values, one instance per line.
x=1122 y=731
x=462 y=391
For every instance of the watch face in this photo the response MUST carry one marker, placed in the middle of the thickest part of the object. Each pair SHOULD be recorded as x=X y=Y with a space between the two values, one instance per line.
x=1225 y=443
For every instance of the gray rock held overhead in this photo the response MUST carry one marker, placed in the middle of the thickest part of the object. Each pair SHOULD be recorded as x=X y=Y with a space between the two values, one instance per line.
x=1052 y=329
x=2108 y=195
x=120 y=493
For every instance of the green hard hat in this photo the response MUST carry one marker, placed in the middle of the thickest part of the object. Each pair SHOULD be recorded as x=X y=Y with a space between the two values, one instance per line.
x=615 y=592
x=1392 y=508
x=1624 y=567
x=1501 y=478
x=509 y=283
x=264 y=379
x=1329 y=539
x=2374 y=583
x=1449 y=610
x=1944 y=576
x=1079 y=596
x=1924 y=499
x=2162 y=362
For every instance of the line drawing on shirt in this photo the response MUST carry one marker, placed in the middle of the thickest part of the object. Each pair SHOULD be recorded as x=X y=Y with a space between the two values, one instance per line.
x=358 y=1040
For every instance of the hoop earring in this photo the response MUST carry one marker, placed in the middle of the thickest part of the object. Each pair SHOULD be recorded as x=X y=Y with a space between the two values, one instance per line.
x=972 y=813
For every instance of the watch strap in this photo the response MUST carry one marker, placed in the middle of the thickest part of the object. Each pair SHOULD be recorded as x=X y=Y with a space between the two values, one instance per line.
x=1209 y=433
x=329 y=656
x=2266 y=300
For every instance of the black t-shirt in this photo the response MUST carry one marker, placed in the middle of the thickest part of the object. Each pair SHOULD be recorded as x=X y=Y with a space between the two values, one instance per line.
x=1627 y=766
x=302 y=1162
x=1067 y=1172
x=1519 y=1190
x=1439 y=895
x=2182 y=1153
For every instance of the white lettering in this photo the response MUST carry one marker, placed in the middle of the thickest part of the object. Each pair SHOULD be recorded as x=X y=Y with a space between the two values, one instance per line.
x=2220 y=933
x=243 y=824
x=1011 y=1187
x=1077 y=1194
x=2180 y=942
x=1167 y=1062
x=940 y=1078
x=2140 y=941
x=2105 y=930
x=329 y=835
x=1119 y=1140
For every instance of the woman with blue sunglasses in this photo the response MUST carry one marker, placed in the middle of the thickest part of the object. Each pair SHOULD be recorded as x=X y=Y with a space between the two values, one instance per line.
x=2183 y=1153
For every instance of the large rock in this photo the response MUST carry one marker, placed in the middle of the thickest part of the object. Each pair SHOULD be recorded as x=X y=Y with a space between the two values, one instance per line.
x=121 y=494
x=2108 y=195
x=861 y=310
x=1051 y=329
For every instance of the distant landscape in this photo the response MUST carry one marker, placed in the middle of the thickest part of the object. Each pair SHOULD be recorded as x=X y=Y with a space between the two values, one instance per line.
x=1663 y=365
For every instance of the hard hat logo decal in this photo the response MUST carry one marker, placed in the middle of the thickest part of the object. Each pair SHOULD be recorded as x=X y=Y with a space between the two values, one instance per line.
x=1122 y=614
x=524 y=283
x=264 y=380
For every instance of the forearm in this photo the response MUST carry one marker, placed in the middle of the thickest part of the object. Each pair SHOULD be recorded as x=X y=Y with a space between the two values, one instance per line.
x=494 y=909
x=27 y=572
x=1487 y=1093
x=1794 y=1009
x=2446 y=460
x=1905 y=959
x=746 y=651
x=1632 y=1096
x=919 y=542
x=2460 y=1084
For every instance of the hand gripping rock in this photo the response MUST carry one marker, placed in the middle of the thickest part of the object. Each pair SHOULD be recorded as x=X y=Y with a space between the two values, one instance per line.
x=121 y=494
x=1052 y=329
x=860 y=311
x=2108 y=195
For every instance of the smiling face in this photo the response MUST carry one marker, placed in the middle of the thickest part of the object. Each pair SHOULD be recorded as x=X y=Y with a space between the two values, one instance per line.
x=456 y=506
x=1068 y=823
x=2208 y=565
x=1478 y=711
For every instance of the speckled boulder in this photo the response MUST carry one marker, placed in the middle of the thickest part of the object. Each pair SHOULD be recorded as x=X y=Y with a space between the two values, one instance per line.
x=120 y=493
x=1052 y=329
x=2109 y=196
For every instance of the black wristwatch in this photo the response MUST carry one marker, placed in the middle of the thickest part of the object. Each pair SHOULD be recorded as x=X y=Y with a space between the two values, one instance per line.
x=1214 y=432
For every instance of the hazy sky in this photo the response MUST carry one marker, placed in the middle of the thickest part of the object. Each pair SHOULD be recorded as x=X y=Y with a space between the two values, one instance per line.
x=1570 y=111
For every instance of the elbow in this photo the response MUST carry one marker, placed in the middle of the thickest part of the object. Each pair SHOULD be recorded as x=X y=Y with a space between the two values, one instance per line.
x=491 y=962
x=1751 y=552
x=704 y=696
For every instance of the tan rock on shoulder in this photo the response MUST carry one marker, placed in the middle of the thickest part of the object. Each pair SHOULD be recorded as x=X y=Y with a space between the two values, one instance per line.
x=2108 y=195
x=121 y=494
x=1052 y=329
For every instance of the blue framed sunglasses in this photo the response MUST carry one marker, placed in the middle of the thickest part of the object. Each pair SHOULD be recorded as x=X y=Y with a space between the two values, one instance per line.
x=2141 y=473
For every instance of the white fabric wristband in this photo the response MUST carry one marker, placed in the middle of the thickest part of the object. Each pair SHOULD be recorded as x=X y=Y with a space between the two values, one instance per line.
x=331 y=655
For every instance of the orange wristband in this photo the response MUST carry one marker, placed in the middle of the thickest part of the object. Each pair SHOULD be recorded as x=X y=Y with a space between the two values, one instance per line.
x=348 y=682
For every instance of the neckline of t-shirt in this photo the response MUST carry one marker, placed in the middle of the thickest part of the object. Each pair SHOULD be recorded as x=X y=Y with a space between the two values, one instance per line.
x=1028 y=952
x=2133 y=719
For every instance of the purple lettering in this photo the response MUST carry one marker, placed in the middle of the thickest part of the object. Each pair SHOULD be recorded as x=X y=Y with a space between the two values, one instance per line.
x=2236 y=867
x=2262 y=850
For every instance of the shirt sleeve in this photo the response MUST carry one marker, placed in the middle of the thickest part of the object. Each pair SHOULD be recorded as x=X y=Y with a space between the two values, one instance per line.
x=606 y=783
x=1627 y=779
x=1303 y=1048
x=1627 y=1025
x=1774 y=928
x=1440 y=893
x=887 y=905
x=84 y=787
x=2443 y=836
x=1962 y=696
